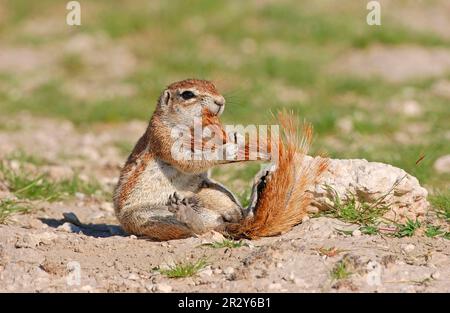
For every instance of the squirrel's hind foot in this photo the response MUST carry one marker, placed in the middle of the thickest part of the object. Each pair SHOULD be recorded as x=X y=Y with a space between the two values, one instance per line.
x=190 y=211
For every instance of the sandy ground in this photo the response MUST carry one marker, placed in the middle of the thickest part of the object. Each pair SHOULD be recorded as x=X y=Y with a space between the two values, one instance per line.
x=41 y=251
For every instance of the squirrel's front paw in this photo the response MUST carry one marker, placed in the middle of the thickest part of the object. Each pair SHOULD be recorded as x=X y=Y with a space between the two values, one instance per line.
x=235 y=137
x=232 y=147
x=231 y=151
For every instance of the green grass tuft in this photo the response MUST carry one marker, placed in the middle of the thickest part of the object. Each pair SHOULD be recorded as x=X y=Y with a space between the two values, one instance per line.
x=408 y=229
x=340 y=271
x=441 y=203
x=23 y=157
x=9 y=207
x=350 y=210
x=369 y=230
x=433 y=231
x=226 y=243
x=182 y=270
x=39 y=187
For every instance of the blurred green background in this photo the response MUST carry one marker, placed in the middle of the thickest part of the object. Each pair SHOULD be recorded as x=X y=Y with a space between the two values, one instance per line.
x=375 y=92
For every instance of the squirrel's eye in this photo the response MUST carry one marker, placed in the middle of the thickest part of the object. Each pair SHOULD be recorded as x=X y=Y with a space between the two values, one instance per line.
x=187 y=95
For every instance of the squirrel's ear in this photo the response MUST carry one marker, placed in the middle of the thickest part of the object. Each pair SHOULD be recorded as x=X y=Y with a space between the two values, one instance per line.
x=165 y=98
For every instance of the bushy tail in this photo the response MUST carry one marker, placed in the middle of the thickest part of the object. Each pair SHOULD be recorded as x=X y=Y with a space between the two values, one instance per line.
x=283 y=201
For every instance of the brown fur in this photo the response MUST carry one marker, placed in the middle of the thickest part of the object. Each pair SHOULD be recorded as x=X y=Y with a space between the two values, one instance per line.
x=140 y=201
x=141 y=213
x=202 y=85
x=131 y=170
x=282 y=203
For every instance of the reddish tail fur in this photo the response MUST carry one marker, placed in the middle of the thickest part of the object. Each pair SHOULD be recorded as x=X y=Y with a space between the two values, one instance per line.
x=283 y=202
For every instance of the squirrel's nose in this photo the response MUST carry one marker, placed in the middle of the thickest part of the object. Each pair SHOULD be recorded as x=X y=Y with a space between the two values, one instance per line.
x=219 y=101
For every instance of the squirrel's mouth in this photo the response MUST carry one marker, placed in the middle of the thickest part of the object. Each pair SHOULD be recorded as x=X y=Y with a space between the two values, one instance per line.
x=220 y=110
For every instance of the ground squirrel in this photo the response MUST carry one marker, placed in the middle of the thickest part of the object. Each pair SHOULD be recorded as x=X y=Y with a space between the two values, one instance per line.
x=162 y=197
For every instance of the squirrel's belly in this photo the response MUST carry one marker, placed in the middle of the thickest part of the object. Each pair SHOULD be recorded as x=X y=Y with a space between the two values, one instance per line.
x=159 y=181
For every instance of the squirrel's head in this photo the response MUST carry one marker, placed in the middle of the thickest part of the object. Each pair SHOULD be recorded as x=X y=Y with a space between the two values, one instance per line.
x=191 y=98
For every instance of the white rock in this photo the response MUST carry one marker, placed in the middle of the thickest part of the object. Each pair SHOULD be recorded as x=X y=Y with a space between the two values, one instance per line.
x=436 y=275
x=14 y=164
x=356 y=233
x=371 y=182
x=133 y=276
x=163 y=288
x=80 y=196
x=68 y=228
x=345 y=125
x=133 y=237
x=228 y=271
x=442 y=164
x=411 y=108
x=408 y=247
x=87 y=288
x=206 y=273
x=300 y=283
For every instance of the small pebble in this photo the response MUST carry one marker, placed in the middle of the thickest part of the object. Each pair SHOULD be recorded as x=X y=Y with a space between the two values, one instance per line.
x=163 y=288
x=300 y=282
x=436 y=275
x=206 y=273
x=80 y=196
x=228 y=271
x=86 y=288
x=275 y=286
x=356 y=233
x=133 y=276
x=408 y=248
x=69 y=228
